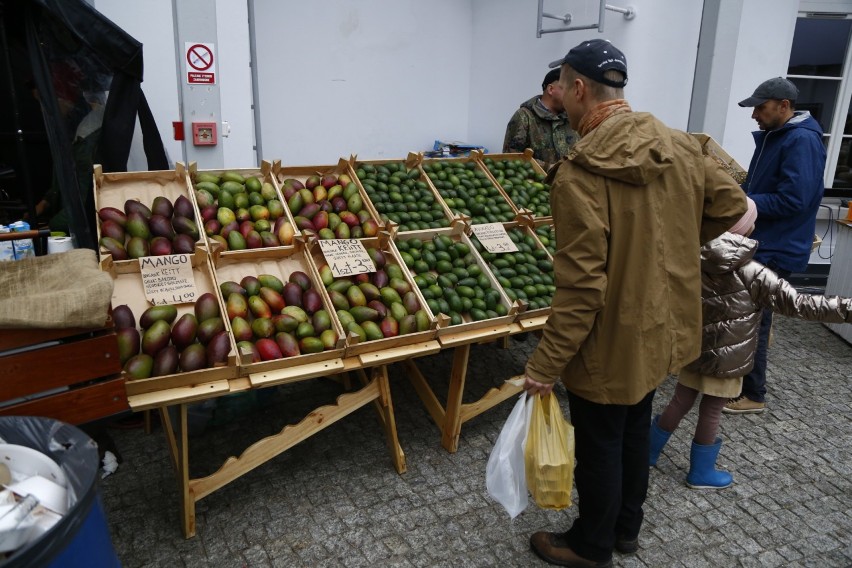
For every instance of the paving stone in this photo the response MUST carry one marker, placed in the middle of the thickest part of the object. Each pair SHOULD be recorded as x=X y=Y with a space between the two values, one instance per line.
x=335 y=499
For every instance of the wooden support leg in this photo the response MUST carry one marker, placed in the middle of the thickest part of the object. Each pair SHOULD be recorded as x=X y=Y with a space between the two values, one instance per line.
x=380 y=374
x=504 y=343
x=451 y=428
x=179 y=452
x=146 y=416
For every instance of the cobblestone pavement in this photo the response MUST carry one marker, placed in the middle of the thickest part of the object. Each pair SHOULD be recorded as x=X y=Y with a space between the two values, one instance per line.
x=335 y=499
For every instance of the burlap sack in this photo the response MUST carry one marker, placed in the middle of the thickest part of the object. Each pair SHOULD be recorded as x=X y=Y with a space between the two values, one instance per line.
x=55 y=291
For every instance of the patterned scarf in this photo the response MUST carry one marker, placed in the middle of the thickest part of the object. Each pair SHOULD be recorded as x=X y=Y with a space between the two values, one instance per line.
x=601 y=112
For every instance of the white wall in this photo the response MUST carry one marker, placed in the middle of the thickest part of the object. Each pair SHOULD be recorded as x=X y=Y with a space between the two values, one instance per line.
x=150 y=22
x=509 y=62
x=377 y=78
x=763 y=51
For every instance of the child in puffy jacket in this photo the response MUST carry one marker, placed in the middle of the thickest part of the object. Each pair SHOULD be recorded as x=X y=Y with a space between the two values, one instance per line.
x=734 y=290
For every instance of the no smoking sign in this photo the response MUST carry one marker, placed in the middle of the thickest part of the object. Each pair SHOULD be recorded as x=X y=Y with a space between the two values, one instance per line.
x=200 y=63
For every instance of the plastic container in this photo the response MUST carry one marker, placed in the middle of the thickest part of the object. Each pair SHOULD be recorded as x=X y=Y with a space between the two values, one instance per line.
x=81 y=539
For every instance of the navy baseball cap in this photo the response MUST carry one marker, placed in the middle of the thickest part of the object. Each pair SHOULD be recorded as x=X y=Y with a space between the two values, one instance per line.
x=595 y=57
x=777 y=88
x=551 y=77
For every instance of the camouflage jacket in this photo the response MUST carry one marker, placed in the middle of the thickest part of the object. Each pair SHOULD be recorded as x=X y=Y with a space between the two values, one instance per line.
x=534 y=126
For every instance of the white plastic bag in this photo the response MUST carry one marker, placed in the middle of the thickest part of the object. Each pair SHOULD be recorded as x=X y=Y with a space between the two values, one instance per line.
x=505 y=475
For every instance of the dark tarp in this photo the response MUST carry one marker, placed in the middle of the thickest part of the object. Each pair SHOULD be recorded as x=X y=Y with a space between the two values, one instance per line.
x=86 y=72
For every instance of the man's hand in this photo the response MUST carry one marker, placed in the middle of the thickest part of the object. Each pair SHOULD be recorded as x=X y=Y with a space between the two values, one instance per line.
x=534 y=387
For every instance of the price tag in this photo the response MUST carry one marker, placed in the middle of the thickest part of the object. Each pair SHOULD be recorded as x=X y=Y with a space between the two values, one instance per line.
x=494 y=237
x=168 y=279
x=346 y=257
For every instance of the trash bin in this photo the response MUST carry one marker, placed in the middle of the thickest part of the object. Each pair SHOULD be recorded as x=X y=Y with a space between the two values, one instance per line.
x=81 y=538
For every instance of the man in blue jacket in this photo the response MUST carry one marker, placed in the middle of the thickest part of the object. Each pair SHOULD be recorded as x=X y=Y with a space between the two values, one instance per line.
x=785 y=180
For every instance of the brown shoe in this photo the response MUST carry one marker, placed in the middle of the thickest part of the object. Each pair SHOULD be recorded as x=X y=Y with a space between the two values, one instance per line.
x=552 y=547
x=743 y=405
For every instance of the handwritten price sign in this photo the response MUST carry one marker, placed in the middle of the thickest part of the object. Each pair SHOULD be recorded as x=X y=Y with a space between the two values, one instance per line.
x=168 y=279
x=494 y=238
x=346 y=257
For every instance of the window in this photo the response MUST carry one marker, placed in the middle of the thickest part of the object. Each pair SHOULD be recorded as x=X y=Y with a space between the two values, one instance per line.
x=821 y=67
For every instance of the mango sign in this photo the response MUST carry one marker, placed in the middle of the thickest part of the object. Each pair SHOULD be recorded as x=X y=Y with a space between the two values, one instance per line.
x=494 y=238
x=168 y=279
x=346 y=257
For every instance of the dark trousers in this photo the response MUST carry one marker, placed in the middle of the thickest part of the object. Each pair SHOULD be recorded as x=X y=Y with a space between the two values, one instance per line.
x=612 y=444
x=754 y=382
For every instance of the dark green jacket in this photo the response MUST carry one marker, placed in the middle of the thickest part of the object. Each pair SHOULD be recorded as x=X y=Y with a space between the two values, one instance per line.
x=534 y=126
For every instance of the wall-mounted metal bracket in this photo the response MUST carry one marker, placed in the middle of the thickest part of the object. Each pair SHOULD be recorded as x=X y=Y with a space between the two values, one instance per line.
x=628 y=12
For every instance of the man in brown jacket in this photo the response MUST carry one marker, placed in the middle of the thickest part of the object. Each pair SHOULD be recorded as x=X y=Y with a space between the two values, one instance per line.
x=632 y=203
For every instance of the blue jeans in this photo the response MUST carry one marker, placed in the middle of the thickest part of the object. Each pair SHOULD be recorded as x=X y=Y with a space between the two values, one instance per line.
x=754 y=383
x=612 y=444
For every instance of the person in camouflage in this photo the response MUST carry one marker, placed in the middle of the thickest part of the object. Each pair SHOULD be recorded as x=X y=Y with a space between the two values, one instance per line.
x=541 y=124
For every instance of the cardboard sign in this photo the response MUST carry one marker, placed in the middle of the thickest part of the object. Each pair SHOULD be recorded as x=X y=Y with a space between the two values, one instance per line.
x=200 y=61
x=346 y=257
x=168 y=279
x=494 y=237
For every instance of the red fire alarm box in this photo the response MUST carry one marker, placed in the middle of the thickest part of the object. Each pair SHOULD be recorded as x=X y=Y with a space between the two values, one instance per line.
x=204 y=133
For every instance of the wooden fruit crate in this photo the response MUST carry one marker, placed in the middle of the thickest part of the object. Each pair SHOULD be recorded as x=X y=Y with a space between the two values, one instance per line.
x=526 y=156
x=280 y=263
x=357 y=348
x=129 y=290
x=302 y=173
x=412 y=161
x=114 y=189
x=475 y=158
x=265 y=174
x=469 y=328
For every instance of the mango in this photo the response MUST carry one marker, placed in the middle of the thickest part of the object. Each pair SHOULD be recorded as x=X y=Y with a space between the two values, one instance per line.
x=271 y=281
x=162 y=206
x=135 y=206
x=389 y=295
x=356 y=297
x=292 y=294
x=296 y=312
x=342 y=231
x=156 y=337
x=268 y=349
x=354 y=203
x=253 y=240
x=370 y=227
x=113 y=214
x=184 y=330
x=262 y=327
x=208 y=328
x=206 y=307
x=285 y=322
x=193 y=358
x=113 y=230
x=287 y=344
x=122 y=317
x=357 y=330
x=321 y=321
x=309 y=210
x=268 y=239
x=258 y=307
x=407 y=325
x=340 y=285
x=328 y=339
x=137 y=226
x=345 y=318
x=183 y=244
x=160 y=246
x=311 y=301
x=397 y=311
x=166 y=313
x=241 y=329
x=232 y=187
x=183 y=208
x=273 y=299
x=410 y=302
x=363 y=313
x=251 y=284
x=218 y=349
x=370 y=291
x=236 y=306
x=301 y=279
x=389 y=327
x=114 y=248
x=230 y=287
x=379 y=307
x=285 y=233
x=305 y=329
x=422 y=320
x=379 y=279
x=128 y=343
x=326 y=275
x=225 y=216
x=165 y=362
x=233 y=176
x=372 y=330
x=139 y=366
x=311 y=345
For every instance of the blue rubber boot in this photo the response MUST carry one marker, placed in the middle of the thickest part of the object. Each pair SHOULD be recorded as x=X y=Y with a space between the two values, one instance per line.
x=702 y=468
x=659 y=437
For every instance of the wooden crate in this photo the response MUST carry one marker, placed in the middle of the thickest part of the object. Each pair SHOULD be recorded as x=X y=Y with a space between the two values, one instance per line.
x=456 y=233
x=301 y=173
x=412 y=161
x=129 y=290
x=355 y=347
x=712 y=148
x=114 y=189
x=265 y=174
x=69 y=374
x=475 y=158
x=279 y=263
x=526 y=156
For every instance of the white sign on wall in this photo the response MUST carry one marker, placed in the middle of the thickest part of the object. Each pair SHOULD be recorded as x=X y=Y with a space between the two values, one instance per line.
x=200 y=63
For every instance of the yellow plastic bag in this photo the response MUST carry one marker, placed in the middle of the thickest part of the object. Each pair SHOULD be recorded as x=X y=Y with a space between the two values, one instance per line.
x=549 y=454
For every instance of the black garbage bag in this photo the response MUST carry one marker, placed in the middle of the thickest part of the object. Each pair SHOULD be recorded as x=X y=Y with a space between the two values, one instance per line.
x=81 y=538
